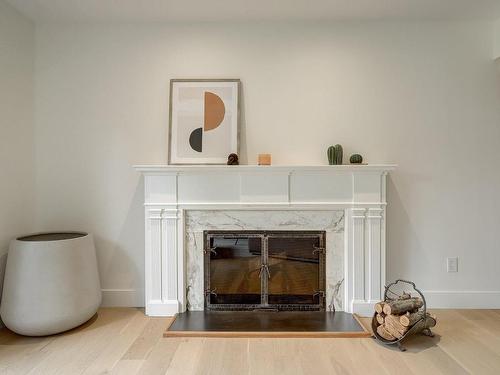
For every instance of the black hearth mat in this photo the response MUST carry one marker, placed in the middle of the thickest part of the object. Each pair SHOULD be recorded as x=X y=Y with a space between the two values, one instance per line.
x=266 y=324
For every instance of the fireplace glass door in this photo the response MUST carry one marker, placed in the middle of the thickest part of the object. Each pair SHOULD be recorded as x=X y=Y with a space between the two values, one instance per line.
x=233 y=265
x=293 y=269
x=278 y=270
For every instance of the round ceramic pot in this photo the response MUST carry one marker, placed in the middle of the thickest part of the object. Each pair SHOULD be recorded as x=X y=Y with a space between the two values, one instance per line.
x=51 y=283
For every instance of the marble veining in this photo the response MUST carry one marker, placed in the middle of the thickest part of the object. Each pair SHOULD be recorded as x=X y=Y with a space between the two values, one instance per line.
x=197 y=221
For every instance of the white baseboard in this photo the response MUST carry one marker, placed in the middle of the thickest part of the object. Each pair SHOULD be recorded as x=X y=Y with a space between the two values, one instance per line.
x=364 y=309
x=122 y=298
x=162 y=308
x=438 y=299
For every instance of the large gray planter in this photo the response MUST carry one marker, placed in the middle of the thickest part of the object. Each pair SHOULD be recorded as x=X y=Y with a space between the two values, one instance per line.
x=51 y=283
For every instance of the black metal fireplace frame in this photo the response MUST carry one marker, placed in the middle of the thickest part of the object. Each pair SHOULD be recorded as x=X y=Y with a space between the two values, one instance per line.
x=264 y=236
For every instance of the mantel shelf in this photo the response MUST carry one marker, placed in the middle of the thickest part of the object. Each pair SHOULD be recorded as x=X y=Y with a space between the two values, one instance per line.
x=168 y=169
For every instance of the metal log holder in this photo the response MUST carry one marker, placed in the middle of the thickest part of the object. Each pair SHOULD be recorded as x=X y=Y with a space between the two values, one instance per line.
x=391 y=295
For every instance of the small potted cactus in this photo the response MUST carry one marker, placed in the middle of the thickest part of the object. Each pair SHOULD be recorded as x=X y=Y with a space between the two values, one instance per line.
x=335 y=154
x=356 y=159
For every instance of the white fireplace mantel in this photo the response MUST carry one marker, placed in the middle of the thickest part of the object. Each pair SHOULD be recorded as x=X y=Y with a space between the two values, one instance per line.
x=359 y=190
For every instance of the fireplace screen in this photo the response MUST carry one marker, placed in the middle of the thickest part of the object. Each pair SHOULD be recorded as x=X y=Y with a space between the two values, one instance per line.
x=279 y=270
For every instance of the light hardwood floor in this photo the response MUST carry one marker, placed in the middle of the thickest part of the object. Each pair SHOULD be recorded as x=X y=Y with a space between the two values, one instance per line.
x=125 y=341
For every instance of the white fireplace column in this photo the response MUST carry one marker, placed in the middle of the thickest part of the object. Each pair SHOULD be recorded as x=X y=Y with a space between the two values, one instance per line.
x=364 y=259
x=162 y=261
x=171 y=190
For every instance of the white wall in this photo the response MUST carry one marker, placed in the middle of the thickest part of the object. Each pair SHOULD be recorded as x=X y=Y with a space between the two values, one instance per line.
x=496 y=41
x=17 y=183
x=423 y=95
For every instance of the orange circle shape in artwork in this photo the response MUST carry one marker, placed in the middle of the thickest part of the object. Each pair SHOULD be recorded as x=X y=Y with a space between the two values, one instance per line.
x=214 y=111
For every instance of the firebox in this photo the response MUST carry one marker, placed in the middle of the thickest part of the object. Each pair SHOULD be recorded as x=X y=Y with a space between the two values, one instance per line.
x=264 y=270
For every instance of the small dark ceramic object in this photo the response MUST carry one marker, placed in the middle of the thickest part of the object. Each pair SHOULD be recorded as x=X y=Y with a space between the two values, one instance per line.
x=232 y=159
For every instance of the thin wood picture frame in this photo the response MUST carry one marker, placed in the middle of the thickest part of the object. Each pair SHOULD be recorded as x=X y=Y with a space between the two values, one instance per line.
x=204 y=120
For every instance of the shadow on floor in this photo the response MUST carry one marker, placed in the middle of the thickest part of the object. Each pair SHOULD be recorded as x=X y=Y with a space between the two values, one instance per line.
x=415 y=343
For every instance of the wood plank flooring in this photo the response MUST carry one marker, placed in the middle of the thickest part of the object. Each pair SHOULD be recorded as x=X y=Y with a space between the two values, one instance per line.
x=125 y=341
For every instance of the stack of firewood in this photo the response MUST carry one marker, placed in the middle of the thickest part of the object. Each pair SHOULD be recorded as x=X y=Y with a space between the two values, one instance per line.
x=398 y=316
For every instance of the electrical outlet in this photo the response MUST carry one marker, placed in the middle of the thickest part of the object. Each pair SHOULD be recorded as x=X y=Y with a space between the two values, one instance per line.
x=452 y=264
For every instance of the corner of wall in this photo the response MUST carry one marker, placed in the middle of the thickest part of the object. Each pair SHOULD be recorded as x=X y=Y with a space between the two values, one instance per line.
x=17 y=160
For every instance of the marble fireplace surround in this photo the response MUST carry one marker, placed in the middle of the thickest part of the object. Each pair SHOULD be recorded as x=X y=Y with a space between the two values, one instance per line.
x=347 y=201
x=332 y=222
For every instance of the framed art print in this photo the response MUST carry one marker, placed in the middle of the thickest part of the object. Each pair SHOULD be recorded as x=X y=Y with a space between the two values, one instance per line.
x=204 y=120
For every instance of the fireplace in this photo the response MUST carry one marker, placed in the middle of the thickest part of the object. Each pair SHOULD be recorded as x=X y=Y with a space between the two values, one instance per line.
x=264 y=270
x=348 y=202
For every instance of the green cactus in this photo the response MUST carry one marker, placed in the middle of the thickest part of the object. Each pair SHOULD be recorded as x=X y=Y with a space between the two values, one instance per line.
x=330 y=152
x=338 y=154
x=356 y=159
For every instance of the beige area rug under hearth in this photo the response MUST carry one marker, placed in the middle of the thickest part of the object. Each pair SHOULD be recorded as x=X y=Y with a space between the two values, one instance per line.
x=247 y=324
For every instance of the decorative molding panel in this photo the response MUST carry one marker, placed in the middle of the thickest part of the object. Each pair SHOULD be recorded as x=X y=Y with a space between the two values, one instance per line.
x=170 y=190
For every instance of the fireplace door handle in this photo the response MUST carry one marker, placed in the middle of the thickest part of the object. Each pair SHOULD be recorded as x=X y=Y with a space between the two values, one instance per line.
x=211 y=250
x=266 y=268
x=320 y=250
x=211 y=292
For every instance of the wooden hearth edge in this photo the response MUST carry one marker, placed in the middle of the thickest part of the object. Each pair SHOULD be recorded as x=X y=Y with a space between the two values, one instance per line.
x=360 y=322
x=233 y=334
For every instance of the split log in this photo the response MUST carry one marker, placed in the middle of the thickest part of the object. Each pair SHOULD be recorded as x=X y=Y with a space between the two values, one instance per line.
x=401 y=306
x=394 y=326
x=410 y=319
x=380 y=318
x=429 y=322
x=379 y=307
x=382 y=331
x=392 y=330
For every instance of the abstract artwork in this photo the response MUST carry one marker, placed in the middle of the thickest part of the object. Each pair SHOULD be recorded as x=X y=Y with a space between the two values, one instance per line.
x=203 y=120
